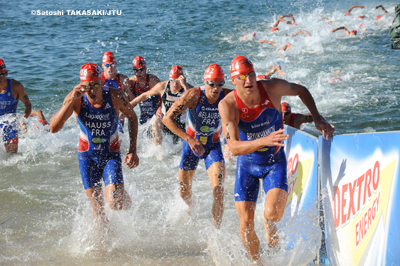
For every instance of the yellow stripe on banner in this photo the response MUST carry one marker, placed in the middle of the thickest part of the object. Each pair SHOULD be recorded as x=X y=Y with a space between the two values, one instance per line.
x=297 y=181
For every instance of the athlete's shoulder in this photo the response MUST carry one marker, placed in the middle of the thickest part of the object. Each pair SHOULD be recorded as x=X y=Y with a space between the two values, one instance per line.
x=226 y=91
x=15 y=84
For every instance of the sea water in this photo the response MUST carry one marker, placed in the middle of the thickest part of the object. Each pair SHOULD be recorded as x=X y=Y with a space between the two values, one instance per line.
x=45 y=216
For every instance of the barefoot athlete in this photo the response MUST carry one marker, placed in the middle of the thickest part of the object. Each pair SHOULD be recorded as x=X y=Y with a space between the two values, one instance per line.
x=141 y=83
x=170 y=91
x=112 y=79
x=202 y=138
x=252 y=125
x=10 y=92
x=97 y=108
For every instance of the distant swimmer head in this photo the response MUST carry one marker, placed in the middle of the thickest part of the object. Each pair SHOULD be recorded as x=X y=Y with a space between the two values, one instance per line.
x=347 y=13
x=262 y=77
x=241 y=67
x=138 y=62
x=286 y=107
x=361 y=16
x=353 y=32
x=90 y=72
x=361 y=25
x=176 y=72
x=214 y=72
x=253 y=34
x=294 y=24
x=274 y=29
x=378 y=17
x=3 y=68
x=109 y=58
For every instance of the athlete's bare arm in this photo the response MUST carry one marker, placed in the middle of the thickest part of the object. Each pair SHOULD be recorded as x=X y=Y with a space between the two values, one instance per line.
x=21 y=95
x=230 y=118
x=127 y=85
x=299 y=119
x=71 y=103
x=351 y=8
x=158 y=89
x=121 y=102
x=341 y=28
x=188 y=100
x=276 y=88
x=383 y=9
x=269 y=42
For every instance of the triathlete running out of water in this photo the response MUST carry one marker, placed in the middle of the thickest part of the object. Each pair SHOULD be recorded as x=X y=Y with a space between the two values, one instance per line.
x=10 y=92
x=141 y=83
x=115 y=80
x=252 y=125
x=202 y=138
x=170 y=91
x=97 y=109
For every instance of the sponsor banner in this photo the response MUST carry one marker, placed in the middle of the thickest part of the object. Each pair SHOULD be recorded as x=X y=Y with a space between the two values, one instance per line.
x=359 y=176
x=301 y=151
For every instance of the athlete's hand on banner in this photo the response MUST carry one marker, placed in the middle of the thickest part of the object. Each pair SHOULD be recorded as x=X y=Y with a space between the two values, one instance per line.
x=131 y=160
x=196 y=145
x=275 y=138
x=326 y=128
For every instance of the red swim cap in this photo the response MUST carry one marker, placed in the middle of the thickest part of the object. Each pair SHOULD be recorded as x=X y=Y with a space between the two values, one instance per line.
x=354 y=32
x=89 y=72
x=274 y=29
x=176 y=72
x=214 y=72
x=361 y=25
x=3 y=67
x=241 y=66
x=348 y=13
x=286 y=107
x=378 y=17
x=262 y=77
x=139 y=62
x=294 y=24
x=109 y=57
x=360 y=16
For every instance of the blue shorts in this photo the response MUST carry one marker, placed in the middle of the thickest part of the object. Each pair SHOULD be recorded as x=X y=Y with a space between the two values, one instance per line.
x=9 y=131
x=212 y=154
x=106 y=166
x=248 y=174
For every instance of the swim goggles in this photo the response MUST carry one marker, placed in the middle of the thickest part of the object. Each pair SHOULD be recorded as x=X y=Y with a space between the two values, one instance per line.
x=250 y=75
x=213 y=84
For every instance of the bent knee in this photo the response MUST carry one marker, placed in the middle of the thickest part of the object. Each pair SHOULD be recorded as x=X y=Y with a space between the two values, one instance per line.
x=273 y=215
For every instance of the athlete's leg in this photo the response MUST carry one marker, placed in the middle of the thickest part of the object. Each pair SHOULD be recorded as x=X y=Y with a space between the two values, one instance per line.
x=117 y=197
x=157 y=131
x=246 y=210
x=185 y=187
x=11 y=141
x=275 y=202
x=96 y=198
x=216 y=173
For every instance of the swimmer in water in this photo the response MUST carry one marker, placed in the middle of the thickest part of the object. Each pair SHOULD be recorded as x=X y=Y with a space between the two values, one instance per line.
x=300 y=32
x=353 y=32
x=268 y=75
x=41 y=119
x=280 y=19
x=351 y=8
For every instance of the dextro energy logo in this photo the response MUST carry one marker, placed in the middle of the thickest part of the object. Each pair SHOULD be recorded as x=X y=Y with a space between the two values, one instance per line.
x=351 y=198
